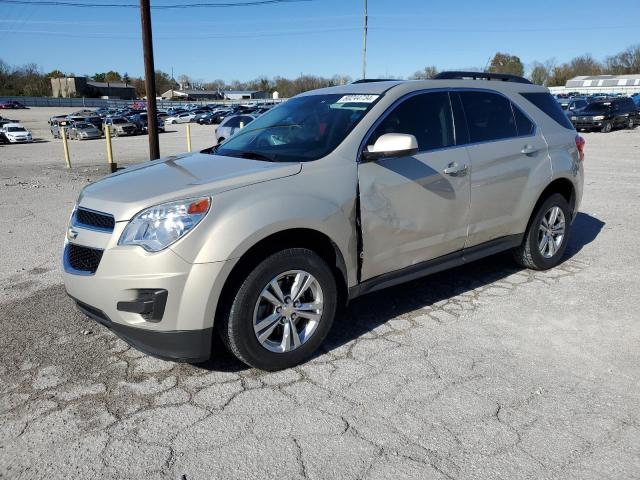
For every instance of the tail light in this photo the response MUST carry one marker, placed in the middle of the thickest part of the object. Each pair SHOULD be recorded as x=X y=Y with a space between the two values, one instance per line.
x=580 y=146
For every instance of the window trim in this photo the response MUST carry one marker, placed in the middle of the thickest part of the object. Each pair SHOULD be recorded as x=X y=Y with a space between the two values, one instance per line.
x=406 y=96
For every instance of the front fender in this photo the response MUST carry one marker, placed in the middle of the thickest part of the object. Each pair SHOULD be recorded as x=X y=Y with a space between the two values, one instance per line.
x=241 y=218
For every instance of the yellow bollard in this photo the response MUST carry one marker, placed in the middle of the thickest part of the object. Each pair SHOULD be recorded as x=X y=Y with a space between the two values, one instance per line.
x=188 y=137
x=107 y=135
x=63 y=135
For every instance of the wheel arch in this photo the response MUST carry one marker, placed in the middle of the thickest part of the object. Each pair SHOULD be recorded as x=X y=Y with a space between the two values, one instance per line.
x=309 y=238
x=564 y=187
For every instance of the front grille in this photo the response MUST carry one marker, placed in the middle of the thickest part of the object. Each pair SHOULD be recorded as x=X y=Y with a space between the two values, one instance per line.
x=89 y=218
x=84 y=259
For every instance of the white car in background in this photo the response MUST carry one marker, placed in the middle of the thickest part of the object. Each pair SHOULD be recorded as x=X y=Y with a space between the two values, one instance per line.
x=16 y=133
x=230 y=125
x=184 y=117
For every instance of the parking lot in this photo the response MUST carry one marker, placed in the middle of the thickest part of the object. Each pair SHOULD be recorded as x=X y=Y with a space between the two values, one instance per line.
x=486 y=371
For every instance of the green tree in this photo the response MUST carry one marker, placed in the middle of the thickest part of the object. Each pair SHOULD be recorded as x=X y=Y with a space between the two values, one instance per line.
x=112 y=76
x=506 y=63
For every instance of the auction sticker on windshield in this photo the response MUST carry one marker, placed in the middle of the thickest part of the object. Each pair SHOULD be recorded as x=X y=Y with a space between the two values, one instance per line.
x=358 y=99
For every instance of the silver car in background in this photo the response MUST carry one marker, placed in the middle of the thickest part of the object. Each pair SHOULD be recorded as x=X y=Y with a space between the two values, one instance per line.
x=83 y=131
x=232 y=124
x=333 y=194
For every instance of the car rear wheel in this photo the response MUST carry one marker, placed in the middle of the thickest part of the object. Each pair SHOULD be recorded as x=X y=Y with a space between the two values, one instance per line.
x=606 y=127
x=281 y=312
x=545 y=240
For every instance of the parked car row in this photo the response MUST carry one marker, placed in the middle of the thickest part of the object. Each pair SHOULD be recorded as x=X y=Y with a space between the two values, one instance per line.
x=88 y=124
x=602 y=112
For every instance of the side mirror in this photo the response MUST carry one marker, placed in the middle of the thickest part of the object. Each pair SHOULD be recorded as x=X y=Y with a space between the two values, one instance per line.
x=391 y=145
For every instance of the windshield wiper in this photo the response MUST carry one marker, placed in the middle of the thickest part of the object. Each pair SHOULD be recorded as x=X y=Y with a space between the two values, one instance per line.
x=256 y=156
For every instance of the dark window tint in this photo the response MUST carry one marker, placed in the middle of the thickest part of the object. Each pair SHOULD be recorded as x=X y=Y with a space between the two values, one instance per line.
x=545 y=102
x=459 y=120
x=489 y=116
x=426 y=116
x=233 y=122
x=523 y=124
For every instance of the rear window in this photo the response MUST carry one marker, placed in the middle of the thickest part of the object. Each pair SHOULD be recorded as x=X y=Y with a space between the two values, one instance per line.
x=546 y=103
x=489 y=116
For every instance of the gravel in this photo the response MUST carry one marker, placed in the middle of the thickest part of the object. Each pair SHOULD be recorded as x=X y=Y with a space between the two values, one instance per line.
x=485 y=371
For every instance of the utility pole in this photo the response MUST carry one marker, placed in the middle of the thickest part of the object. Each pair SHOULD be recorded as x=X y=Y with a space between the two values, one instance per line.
x=149 y=80
x=364 y=43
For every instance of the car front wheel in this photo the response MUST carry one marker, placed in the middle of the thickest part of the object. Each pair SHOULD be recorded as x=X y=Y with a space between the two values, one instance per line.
x=545 y=240
x=606 y=127
x=282 y=311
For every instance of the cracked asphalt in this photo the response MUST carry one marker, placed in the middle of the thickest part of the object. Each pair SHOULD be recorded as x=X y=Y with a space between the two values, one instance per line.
x=483 y=372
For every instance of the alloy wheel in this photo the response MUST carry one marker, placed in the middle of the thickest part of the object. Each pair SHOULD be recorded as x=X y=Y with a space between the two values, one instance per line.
x=551 y=232
x=288 y=311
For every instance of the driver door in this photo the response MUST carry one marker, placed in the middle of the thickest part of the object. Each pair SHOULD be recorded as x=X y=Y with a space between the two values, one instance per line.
x=414 y=208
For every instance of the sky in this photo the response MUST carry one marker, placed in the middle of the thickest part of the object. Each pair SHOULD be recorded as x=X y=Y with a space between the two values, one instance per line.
x=319 y=37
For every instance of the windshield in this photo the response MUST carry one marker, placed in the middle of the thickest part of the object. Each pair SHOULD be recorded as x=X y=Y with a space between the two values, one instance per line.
x=301 y=129
x=116 y=121
x=15 y=129
x=83 y=126
x=598 y=107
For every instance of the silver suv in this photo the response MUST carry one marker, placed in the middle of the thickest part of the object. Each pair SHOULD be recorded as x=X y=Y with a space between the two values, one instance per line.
x=333 y=194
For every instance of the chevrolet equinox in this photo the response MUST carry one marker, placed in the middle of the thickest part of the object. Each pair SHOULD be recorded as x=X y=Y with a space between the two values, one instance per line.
x=332 y=194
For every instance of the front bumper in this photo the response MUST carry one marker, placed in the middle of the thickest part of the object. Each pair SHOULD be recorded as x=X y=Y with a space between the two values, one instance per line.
x=191 y=346
x=587 y=124
x=117 y=294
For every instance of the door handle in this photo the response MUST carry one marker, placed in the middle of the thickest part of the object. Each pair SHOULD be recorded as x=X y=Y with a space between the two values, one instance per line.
x=456 y=170
x=529 y=149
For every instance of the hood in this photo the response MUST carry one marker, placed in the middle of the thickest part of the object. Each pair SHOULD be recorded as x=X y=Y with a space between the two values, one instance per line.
x=125 y=193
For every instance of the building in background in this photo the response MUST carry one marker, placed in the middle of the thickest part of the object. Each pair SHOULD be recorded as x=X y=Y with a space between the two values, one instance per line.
x=84 y=87
x=194 y=94
x=624 y=84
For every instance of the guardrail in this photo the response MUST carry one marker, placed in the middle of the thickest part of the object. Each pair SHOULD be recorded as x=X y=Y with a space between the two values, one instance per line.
x=117 y=103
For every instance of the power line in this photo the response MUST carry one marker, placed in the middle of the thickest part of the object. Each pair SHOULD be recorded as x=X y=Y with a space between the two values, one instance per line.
x=57 y=3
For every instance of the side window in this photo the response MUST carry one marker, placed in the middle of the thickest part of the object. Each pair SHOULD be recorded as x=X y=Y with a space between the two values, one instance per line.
x=523 y=124
x=489 y=116
x=426 y=116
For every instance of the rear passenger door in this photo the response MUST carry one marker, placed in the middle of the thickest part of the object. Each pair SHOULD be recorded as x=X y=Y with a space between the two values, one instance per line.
x=505 y=149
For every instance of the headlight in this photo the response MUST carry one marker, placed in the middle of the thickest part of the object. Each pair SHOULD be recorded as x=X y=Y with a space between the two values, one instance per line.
x=599 y=117
x=156 y=228
x=574 y=118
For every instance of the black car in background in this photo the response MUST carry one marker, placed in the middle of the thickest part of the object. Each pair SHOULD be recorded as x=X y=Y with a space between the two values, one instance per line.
x=605 y=115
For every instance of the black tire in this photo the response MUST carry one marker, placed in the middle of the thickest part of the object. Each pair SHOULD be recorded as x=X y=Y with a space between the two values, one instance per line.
x=235 y=322
x=606 y=127
x=528 y=254
x=630 y=124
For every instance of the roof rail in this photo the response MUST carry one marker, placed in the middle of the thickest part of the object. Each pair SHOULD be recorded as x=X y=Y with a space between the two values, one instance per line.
x=504 y=77
x=371 y=80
